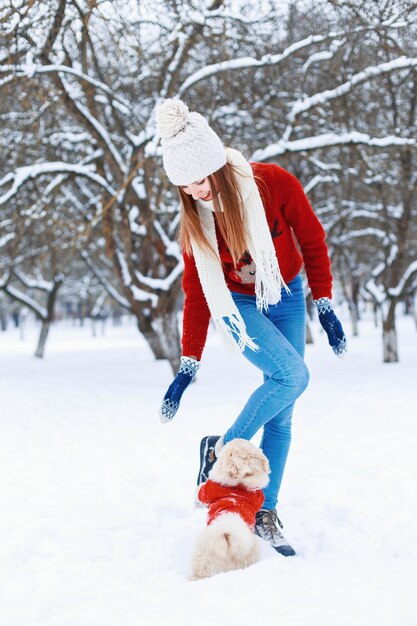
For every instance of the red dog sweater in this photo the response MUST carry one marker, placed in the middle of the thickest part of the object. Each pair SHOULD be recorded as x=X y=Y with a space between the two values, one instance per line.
x=288 y=213
x=221 y=499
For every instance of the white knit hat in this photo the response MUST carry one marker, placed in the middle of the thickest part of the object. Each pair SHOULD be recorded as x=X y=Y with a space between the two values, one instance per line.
x=191 y=150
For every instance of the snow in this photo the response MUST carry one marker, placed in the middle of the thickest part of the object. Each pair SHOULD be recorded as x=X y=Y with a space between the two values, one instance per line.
x=97 y=496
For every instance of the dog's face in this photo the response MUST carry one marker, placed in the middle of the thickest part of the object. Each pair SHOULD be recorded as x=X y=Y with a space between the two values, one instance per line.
x=241 y=463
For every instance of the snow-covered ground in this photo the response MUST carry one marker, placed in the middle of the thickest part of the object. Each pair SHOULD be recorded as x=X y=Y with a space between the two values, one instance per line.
x=97 y=509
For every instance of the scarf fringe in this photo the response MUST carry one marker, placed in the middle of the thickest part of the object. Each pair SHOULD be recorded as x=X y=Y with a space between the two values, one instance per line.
x=268 y=279
x=232 y=331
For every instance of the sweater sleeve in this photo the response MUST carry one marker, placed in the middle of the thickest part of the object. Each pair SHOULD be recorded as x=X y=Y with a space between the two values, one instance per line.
x=309 y=234
x=196 y=314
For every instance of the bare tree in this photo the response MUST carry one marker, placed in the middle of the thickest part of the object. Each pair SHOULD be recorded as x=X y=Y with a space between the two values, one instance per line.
x=268 y=85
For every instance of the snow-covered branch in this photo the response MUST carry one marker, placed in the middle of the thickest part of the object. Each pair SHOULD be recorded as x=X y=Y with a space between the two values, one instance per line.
x=21 y=297
x=363 y=232
x=28 y=70
x=99 y=128
x=163 y=284
x=56 y=182
x=35 y=283
x=330 y=139
x=6 y=80
x=273 y=59
x=172 y=248
x=139 y=21
x=105 y=283
x=23 y=174
x=138 y=294
x=409 y=273
x=318 y=180
x=6 y=238
x=238 y=17
x=323 y=55
x=250 y=62
x=137 y=229
x=175 y=63
x=376 y=291
x=306 y=103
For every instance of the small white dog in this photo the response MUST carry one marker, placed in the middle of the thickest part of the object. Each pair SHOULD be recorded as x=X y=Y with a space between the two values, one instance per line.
x=233 y=495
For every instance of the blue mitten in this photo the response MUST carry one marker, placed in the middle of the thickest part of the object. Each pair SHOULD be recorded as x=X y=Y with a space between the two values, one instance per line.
x=332 y=326
x=185 y=376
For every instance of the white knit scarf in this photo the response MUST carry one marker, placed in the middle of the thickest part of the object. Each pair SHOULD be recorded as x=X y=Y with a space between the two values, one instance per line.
x=268 y=279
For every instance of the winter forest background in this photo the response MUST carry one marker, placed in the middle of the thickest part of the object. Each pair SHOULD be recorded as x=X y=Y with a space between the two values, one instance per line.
x=97 y=508
x=327 y=89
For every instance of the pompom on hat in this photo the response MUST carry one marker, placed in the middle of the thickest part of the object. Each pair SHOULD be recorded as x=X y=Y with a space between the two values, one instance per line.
x=191 y=150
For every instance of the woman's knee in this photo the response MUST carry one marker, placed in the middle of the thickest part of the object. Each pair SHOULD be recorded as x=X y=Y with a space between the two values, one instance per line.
x=304 y=377
x=295 y=376
x=279 y=427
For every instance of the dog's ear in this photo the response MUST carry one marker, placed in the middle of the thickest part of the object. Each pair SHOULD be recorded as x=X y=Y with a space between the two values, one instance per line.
x=236 y=465
x=265 y=465
x=257 y=464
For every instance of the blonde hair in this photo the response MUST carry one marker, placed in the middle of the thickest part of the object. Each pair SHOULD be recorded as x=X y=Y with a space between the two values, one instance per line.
x=230 y=221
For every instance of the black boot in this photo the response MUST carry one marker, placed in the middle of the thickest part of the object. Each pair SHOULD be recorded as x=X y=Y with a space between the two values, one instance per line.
x=207 y=457
x=268 y=527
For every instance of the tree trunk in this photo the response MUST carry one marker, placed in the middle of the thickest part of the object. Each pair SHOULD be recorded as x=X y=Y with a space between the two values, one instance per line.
x=375 y=311
x=162 y=335
x=309 y=335
x=389 y=336
x=42 y=339
x=355 y=297
x=410 y=307
x=46 y=322
x=22 y=327
x=353 y=312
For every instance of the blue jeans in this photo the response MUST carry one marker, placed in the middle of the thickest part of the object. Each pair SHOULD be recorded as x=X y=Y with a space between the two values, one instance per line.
x=280 y=335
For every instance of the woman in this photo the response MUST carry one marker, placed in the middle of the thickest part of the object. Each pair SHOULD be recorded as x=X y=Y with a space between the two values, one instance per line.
x=242 y=269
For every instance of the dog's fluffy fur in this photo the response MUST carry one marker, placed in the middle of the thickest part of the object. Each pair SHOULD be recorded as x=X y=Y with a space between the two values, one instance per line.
x=228 y=543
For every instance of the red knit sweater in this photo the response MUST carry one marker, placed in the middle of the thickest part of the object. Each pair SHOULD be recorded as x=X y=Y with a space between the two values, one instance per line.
x=288 y=214
x=221 y=499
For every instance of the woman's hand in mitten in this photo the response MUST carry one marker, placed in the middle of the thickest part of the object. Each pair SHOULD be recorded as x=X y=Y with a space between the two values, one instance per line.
x=332 y=326
x=172 y=398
